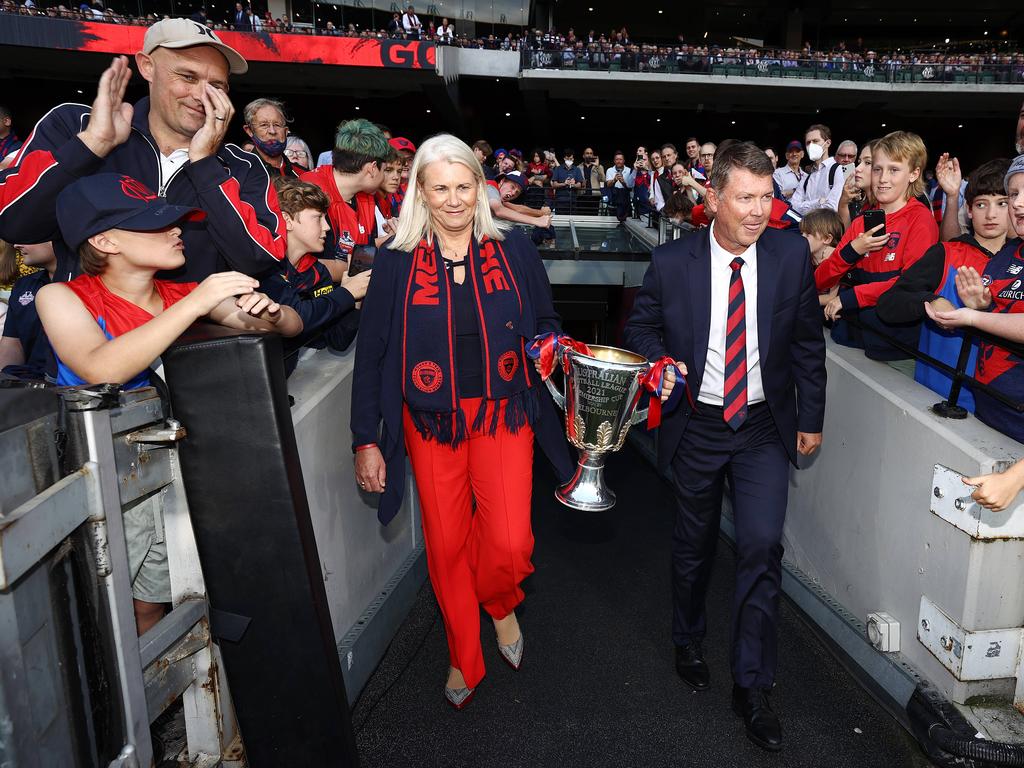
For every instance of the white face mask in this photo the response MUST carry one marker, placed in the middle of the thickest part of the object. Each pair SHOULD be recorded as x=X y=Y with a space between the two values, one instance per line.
x=568 y=163
x=815 y=152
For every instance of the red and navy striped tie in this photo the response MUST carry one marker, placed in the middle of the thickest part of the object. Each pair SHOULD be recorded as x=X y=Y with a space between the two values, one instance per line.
x=734 y=401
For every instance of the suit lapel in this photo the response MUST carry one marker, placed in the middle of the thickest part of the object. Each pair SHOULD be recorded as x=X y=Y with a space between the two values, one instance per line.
x=767 y=282
x=698 y=278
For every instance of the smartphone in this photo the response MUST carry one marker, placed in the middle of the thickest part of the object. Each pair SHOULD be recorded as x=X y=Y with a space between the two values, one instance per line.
x=361 y=259
x=872 y=218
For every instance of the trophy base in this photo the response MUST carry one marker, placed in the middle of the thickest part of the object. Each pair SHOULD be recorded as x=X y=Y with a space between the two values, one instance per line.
x=587 y=490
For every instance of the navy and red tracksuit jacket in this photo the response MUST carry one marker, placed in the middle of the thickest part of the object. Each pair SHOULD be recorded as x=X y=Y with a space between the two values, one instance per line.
x=931 y=277
x=325 y=307
x=912 y=231
x=243 y=229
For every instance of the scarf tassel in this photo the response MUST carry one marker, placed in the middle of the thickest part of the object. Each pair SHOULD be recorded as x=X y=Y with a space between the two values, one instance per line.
x=445 y=428
x=521 y=408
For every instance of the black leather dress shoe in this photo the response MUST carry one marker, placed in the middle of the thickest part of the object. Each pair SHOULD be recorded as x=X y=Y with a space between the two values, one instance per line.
x=762 y=724
x=691 y=666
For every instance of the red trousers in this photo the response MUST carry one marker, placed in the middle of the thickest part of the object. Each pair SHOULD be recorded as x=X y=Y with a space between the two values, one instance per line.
x=474 y=557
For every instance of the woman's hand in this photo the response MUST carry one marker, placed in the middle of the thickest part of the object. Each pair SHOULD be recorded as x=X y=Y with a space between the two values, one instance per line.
x=958 y=318
x=371 y=472
x=868 y=241
x=972 y=289
x=850 y=192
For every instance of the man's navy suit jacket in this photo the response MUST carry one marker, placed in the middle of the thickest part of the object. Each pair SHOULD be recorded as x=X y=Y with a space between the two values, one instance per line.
x=672 y=316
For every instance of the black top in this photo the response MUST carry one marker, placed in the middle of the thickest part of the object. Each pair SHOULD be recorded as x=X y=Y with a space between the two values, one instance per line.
x=468 y=360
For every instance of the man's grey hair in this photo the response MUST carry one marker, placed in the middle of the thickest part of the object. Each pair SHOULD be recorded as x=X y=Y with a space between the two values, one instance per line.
x=249 y=114
x=850 y=143
x=742 y=154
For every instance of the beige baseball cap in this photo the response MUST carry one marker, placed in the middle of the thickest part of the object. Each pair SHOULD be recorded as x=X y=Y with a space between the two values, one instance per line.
x=185 y=33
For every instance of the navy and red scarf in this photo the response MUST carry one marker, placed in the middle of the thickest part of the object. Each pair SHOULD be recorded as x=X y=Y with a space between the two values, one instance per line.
x=430 y=382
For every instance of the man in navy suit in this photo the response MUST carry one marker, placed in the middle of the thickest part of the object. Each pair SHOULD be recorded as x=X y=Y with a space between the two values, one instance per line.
x=736 y=305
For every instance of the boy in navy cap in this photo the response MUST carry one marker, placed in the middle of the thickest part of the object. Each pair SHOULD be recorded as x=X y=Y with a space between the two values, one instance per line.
x=111 y=323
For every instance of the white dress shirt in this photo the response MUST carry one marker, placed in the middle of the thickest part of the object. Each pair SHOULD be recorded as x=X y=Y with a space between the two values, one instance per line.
x=787 y=178
x=814 y=191
x=627 y=177
x=712 y=386
x=657 y=199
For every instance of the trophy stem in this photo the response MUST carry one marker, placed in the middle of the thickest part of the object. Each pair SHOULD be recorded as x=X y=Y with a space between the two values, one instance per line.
x=587 y=490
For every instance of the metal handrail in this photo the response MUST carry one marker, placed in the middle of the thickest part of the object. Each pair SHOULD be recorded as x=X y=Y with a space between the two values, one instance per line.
x=946 y=70
x=949 y=407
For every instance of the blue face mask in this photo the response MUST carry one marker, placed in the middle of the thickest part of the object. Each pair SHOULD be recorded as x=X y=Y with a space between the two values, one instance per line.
x=273 y=148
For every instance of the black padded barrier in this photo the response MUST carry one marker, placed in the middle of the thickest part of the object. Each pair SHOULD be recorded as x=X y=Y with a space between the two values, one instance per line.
x=251 y=518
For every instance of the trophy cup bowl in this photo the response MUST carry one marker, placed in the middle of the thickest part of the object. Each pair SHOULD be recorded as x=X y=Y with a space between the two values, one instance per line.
x=602 y=390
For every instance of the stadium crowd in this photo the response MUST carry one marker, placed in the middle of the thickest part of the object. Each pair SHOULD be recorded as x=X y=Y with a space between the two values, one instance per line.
x=905 y=249
x=595 y=49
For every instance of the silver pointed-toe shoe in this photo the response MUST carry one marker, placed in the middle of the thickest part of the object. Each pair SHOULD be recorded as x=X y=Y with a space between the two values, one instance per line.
x=513 y=653
x=459 y=697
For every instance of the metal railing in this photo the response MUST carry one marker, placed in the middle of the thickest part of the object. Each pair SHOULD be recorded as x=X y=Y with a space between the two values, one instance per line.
x=972 y=338
x=945 y=70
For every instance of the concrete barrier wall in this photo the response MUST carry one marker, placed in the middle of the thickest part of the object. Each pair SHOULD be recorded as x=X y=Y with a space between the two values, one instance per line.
x=358 y=555
x=859 y=522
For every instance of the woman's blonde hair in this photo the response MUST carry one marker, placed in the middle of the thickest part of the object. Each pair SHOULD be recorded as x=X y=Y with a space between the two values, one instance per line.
x=414 y=222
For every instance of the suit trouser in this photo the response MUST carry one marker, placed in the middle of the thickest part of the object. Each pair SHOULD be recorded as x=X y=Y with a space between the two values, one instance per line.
x=757 y=465
x=474 y=557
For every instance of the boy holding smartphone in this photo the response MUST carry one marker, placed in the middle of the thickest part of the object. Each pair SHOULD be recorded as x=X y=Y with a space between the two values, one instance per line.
x=868 y=261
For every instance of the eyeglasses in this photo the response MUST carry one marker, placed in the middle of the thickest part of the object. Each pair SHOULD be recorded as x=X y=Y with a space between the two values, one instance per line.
x=294 y=153
x=707 y=154
x=268 y=126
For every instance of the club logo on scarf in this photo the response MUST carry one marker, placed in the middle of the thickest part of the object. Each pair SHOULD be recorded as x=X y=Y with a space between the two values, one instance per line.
x=427 y=376
x=507 y=365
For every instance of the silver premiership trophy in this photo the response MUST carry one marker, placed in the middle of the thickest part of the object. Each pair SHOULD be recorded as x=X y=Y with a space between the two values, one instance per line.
x=601 y=394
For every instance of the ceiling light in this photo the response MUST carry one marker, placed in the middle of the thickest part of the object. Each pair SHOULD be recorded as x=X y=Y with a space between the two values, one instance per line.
x=428 y=111
x=883 y=125
x=508 y=114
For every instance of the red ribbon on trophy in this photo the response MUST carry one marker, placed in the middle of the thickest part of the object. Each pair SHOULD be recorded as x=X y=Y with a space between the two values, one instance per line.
x=653 y=381
x=548 y=347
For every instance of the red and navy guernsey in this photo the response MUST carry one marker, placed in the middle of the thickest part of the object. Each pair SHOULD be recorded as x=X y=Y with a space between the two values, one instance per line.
x=912 y=231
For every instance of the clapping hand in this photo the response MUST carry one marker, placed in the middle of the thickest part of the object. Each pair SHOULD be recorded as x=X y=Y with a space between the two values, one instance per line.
x=972 y=289
x=110 y=121
x=219 y=112
x=947 y=173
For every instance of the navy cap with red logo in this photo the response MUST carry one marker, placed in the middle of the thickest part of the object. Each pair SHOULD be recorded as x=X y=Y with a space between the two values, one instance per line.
x=794 y=145
x=105 y=201
x=515 y=177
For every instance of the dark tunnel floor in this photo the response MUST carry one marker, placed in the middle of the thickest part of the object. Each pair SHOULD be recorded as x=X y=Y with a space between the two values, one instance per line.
x=598 y=686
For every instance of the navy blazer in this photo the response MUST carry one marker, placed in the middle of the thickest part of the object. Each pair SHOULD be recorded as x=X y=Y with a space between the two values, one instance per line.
x=377 y=400
x=672 y=316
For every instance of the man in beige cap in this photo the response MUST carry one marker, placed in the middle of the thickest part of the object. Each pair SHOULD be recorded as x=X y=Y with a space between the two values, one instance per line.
x=172 y=141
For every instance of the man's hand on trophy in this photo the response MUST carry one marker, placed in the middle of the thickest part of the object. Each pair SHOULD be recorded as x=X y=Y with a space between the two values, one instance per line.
x=669 y=382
